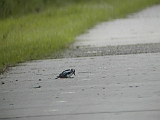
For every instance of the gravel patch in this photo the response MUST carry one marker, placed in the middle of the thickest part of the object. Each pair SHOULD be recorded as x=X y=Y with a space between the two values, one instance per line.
x=109 y=50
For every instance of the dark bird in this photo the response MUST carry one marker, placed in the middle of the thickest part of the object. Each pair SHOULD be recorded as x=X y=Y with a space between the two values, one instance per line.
x=66 y=73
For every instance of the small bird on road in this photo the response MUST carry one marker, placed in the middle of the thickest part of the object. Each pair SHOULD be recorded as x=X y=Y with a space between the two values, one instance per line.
x=66 y=74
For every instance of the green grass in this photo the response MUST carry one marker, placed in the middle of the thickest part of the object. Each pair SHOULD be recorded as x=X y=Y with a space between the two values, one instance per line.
x=39 y=35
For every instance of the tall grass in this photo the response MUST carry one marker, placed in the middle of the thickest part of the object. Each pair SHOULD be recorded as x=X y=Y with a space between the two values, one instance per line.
x=39 y=35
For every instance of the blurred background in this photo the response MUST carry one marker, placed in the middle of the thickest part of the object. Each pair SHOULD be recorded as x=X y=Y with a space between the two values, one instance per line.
x=21 y=7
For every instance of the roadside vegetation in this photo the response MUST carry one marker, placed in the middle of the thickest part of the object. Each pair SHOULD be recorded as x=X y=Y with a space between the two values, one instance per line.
x=36 y=29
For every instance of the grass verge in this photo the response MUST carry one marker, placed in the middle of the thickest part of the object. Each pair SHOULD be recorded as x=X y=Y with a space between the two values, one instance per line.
x=39 y=35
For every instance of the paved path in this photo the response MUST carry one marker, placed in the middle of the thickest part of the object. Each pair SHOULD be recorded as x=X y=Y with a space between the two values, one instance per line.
x=138 y=33
x=122 y=87
x=139 y=28
x=110 y=87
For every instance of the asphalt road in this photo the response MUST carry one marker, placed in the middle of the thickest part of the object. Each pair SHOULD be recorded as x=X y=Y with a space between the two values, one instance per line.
x=105 y=87
x=122 y=85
